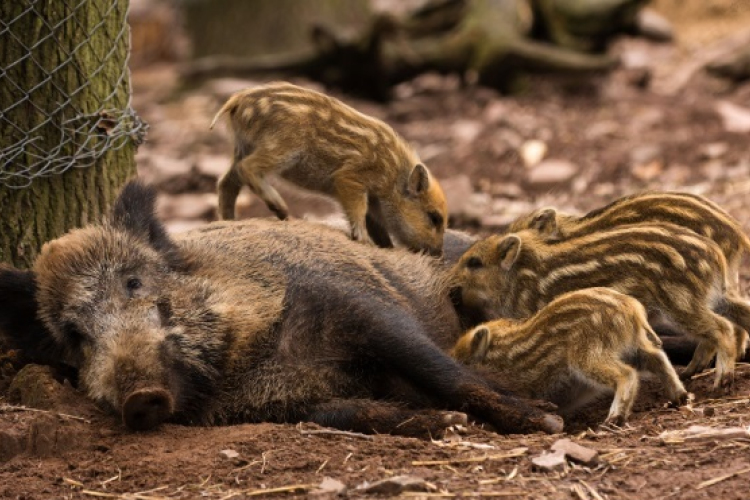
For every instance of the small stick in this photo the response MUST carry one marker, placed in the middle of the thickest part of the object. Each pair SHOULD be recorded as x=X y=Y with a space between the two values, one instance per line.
x=9 y=408
x=331 y=432
x=421 y=494
x=321 y=466
x=711 y=482
x=299 y=488
x=516 y=452
x=593 y=492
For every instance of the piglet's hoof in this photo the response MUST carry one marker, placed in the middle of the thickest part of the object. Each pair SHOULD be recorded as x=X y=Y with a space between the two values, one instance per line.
x=455 y=418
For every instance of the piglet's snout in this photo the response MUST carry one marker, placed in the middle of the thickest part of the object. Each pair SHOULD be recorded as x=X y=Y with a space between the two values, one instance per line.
x=146 y=409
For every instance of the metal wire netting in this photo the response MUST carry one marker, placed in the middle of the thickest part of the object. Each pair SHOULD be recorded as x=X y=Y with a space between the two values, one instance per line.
x=64 y=95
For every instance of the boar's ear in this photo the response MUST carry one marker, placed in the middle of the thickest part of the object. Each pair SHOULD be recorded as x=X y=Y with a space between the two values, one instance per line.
x=545 y=221
x=419 y=180
x=20 y=325
x=508 y=250
x=134 y=211
x=480 y=344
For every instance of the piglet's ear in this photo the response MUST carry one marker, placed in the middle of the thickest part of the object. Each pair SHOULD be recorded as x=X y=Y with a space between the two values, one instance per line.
x=508 y=250
x=419 y=180
x=480 y=344
x=20 y=325
x=545 y=222
x=134 y=211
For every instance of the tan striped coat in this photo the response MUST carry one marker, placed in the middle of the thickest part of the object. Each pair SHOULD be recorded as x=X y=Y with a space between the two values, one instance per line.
x=670 y=270
x=321 y=144
x=579 y=344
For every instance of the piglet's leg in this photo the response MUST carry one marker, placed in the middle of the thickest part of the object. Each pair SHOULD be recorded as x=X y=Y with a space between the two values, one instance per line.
x=380 y=417
x=253 y=170
x=399 y=342
x=353 y=198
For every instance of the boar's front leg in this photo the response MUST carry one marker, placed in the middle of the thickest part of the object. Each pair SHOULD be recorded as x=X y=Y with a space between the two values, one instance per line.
x=380 y=417
x=396 y=340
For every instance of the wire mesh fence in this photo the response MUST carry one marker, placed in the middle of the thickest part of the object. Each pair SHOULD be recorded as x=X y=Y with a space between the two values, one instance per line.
x=64 y=96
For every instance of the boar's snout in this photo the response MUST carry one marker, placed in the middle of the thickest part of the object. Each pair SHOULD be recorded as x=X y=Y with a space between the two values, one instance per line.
x=145 y=409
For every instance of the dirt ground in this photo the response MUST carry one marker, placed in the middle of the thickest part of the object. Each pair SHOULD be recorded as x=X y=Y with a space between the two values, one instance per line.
x=656 y=122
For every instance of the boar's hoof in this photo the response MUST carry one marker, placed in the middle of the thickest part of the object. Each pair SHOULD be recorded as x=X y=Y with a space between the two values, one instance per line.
x=145 y=409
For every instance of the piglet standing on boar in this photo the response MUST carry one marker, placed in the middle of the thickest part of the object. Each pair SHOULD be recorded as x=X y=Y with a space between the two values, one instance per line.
x=252 y=321
x=319 y=143
x=578 y=345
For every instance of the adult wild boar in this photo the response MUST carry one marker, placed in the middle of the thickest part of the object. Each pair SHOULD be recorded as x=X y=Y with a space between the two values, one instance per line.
x=248 y=322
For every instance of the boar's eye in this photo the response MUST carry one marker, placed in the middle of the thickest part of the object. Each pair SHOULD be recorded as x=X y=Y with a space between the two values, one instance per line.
x=474 y=263
x=133 y=284
x=436 y=219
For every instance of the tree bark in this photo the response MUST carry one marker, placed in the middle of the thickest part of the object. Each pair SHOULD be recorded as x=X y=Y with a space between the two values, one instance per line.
x=51 y=206
x=244 y=28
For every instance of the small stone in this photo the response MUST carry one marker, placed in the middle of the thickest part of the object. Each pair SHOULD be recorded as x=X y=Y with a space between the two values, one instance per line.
x=213 y=165
x=495 y=112
x=653 y=25
x=576 y=452
x=552 y=172
x=187 y=206
x=735 y=118
x=645 y=153
x=549 y=462
x=714 y=150
x=648 y=171
x=329 y=486
x=396 y=485
x=465 y=131
x=229 y=454
x=533 y=152
x=511 y=191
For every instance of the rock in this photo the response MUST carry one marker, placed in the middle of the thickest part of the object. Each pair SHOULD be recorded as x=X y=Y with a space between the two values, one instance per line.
x=648 y=171
x=229 y=454
x=653 y=25
x=396 y=485
x=550 y=172
x=497 y=222
x=225 y=87
x=533 y=152
x=495 y=112
x=697 y=433
x=465 y=131
x=645 y=153
x=714 y=150
x=35 y=387
x=329 y=487
x=549 y=462
x=457 y=191
x=576 y=452
x=735 y=118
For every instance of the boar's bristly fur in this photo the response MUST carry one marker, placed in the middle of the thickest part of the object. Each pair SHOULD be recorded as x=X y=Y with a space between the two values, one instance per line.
x=261 y=321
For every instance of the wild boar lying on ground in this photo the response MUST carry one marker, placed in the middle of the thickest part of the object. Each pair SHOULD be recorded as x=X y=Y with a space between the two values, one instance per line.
x=253 y=321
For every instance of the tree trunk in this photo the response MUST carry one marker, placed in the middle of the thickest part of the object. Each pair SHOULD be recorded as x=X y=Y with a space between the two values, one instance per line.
x=261 y=27
x=51 y=205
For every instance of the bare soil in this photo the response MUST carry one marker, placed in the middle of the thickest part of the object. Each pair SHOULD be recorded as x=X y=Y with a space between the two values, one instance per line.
x=625 y=132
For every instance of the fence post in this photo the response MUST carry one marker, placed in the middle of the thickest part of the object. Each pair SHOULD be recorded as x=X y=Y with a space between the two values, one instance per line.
x=67 y=132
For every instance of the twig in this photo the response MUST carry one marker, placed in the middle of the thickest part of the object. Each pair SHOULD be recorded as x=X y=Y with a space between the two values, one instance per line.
x=331 y=432
x=593 y=492
x=711 y=482
x=295 y=488
x=516 y=452
x=10 y=408
x=473 y=494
